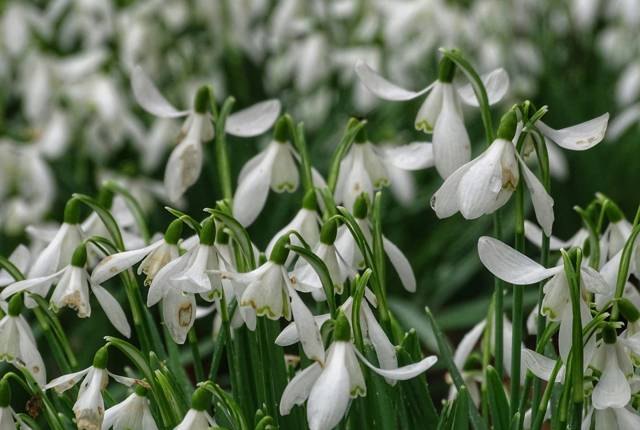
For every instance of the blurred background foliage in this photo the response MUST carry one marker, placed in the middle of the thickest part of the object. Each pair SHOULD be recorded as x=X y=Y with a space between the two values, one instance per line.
x=554 y=55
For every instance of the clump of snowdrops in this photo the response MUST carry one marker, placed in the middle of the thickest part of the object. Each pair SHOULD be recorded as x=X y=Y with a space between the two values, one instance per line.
x=304 y=336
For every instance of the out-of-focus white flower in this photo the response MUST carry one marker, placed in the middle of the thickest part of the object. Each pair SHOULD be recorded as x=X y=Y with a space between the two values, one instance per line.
x=441 y=113
x=185 y=162
x=305 y=223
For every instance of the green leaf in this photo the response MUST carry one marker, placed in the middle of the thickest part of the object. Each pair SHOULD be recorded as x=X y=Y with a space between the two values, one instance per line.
x=226 y=404
x=323 y=273
x=239 y=233
x=134 y=207
x=498 y=403
x=188 y=219
x=353 y=127
x=106 y=217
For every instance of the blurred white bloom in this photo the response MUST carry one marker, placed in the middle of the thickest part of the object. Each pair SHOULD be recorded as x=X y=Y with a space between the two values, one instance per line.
x=612 y=389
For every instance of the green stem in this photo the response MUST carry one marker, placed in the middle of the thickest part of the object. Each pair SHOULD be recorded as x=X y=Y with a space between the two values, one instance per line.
x=516 y=315
x=222 y=158
x=195 y=352
x=623 y=271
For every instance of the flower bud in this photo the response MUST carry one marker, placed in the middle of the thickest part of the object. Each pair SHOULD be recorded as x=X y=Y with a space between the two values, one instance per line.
x=173 y=232
x=280 y=251
x=309 y=201
x=5 y=394
x=202 y=99
x=208 y=232
x=329 y=232
x=360 y=207
x=201 y=399
x=101 y=357
x=72 y=211
x=79 y=257
x=15 y=305
x=342 y=328
x=507 y=127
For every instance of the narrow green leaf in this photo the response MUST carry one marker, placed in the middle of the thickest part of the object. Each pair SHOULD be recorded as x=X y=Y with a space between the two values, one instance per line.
x=498 y=403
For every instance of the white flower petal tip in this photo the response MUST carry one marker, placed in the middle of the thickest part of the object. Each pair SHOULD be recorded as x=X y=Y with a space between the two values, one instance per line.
x=542 y=201
x=383 y=88
x=253 y=120
x=510 y=265
x=414 y=156
x=400 y=262
x=149 y=98
x=579 y=137
x=496 y=83
x=401 y=373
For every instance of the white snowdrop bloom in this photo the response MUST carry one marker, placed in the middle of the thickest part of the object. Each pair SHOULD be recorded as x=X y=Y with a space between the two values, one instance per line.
x=89 y=405
x=628 y=85
x=305 y=278
x=305 y=222
x=441 y=112
x=72 y=290
x=53 y=138
x=624 y=418
x=579 y=137
x=134 y=412
x=17 y=343
x=154 y=257
x=516 y=268
x=274 y=167
x=197 y=417
x=328 y=388
x=20 y=257
x=185 y=162
x=611 y=358
x=269 y=292
x=486 y=183
x=57 y=254
x=197 y=276
x=348 y=249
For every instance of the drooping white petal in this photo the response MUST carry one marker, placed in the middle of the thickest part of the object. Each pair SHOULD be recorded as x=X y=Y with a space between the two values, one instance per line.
x=164 y=279
x=413 y=156
x=124 y=380
x=383 y=88
x=284 y=174
x=289 y=335
x=594 y=282
x=308 y=330
x=538 y=364
x=445 y=201
x=430 y=109
x=612 y=390
x=627 y=419
x=400 y=262
x=579 y=137
x=185 y=162
x=542 y=201
x=401 y=373
x=298 y=389
x=385 y=351
x=329 y=397
x=112 y=310
x=149 y=98
x=495 y=82
x=533 y=233
x=89 y=407
x=20 y=258
x=64 y=382
x=252 y=192
x=451 y=145
x=466 y=345
x=253 y=120
x=30 y=284
x=178 y=314
x=30 y=355
x=267 y=294
x=510 y=265
x=117 y=263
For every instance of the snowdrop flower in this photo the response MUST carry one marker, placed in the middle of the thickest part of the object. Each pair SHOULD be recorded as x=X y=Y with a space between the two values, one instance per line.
x=185 y=162
x=485 y=184
x=516 y=268
x=348 y=249
x=612 y=360
x=624 y=418
x=197 y=417
x=274 y=167
x=270 y=293
x=8 y=417
x=154 y=257
x=57 y=254
x=134 y=412
x=72 y=290
x=197 y=276
x=20 y=257
x=305 y=278
x=89 y=406
x=17 y=343
x=441 y=112
x=305 y=223
x=328 y=388
x=579 y=137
